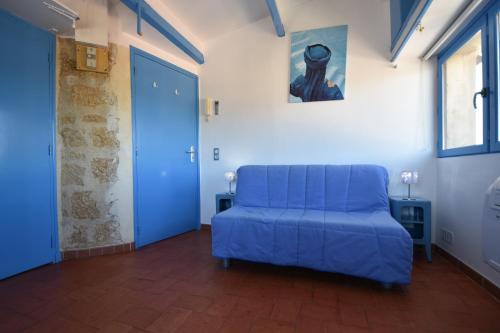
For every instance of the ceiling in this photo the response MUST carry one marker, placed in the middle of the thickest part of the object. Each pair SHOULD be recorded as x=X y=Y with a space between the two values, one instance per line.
x=208 y=19
x=205 y=19
x=439 y=16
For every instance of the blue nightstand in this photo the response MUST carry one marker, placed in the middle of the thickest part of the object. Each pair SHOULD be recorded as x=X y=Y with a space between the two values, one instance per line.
x=415 y=216
x=223 y=201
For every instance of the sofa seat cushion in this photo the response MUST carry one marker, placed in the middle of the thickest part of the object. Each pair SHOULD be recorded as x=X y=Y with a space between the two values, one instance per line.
x=367 y=244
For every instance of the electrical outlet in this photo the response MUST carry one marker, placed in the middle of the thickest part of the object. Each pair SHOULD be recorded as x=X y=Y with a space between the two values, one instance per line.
x=447 y=236
x=216 y=154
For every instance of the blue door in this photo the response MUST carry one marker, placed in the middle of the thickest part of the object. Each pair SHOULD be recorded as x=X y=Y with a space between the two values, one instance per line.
x=27 y=208
x=166 y=144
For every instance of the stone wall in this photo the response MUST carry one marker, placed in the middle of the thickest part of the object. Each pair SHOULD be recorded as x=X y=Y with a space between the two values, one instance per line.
x=94 y=151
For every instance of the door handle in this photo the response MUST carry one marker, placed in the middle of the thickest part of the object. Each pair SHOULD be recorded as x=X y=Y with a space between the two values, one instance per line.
x=191 y=153
x=483 y=93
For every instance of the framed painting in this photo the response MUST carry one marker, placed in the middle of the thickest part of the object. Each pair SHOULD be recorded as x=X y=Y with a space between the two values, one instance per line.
x=318 y=64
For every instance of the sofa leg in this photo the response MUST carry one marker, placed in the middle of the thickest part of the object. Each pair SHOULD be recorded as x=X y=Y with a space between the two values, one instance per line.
x=226 y=262
x=387 y=285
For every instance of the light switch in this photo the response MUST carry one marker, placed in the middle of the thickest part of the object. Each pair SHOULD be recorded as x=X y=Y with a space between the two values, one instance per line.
x=216 y=154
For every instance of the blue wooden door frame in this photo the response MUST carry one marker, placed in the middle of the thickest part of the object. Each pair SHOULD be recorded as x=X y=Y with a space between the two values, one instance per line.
x=138 y=52
x=56 y=257
x=53 y=163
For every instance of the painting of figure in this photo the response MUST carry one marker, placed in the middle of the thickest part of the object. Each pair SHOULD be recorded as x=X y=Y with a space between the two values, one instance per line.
x=318 y=64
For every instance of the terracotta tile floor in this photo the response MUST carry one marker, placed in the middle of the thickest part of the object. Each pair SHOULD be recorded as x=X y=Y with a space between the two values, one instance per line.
x=176 y=286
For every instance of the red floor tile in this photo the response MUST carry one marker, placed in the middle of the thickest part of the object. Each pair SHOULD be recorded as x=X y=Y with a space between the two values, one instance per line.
x=177 y=286
x=80 y=310
x=11 y=321
x=138 y=284
x=286 y=311
x=325 y=296
x=256 y=307
x=237 y=324
x=158 y=302
x=22 y=302
x=201 y=323
x=140 y=317
x=192 y=302
x=52 y=307
x=310 y=325
x=170 y=320
x=222 y=306
x=320 y=312
x=296 y=294
x=271 y=326
x=390 y=317
x=108 y=311
x=353 y=315
x=115 y=327
x=160 y=286
x=60 y=325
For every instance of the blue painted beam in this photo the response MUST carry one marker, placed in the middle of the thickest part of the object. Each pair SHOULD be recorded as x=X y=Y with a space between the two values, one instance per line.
x=408 y=27
x=166 y=29
x=139 y=17
x=275 y=15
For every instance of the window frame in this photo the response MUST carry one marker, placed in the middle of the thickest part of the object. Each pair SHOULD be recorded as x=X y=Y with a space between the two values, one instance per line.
x=491 y=80
x=494 y=73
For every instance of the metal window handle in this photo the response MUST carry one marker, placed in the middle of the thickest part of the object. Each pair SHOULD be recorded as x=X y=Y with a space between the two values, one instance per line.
x=192 y=153
x=483 y=93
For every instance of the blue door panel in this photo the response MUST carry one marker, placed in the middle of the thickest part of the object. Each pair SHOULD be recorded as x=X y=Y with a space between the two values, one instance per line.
x=26 y=131
x=165 y=126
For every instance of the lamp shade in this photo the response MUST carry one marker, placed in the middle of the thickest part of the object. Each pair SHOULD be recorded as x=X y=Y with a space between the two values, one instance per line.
x=230 y=176
x=409 y=177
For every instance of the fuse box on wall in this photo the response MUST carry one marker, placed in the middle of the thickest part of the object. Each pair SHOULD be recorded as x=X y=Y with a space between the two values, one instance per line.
x=92 y=58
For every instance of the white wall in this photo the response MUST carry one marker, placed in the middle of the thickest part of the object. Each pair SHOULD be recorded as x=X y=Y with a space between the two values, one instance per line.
x=461 y=189
x=386 y=118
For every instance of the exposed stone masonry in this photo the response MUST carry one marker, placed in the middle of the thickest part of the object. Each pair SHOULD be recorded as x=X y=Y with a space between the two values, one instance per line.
x=83 y=206
x=88 y=146
x=104 y=169
x=102 y=137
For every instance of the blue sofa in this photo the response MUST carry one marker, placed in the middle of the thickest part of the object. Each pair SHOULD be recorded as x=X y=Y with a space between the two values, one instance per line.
x=331 y=218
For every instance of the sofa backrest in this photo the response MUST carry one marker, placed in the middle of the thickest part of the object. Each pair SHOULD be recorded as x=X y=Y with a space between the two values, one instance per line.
x=344 y=188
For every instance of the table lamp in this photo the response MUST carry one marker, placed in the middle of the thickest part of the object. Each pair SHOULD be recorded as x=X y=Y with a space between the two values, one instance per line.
x=408 y=178
x=230 y=177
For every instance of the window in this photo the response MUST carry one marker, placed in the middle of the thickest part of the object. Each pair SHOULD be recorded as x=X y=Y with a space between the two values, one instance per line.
x=468 y=110
x=462 y=78
x=496 y=37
